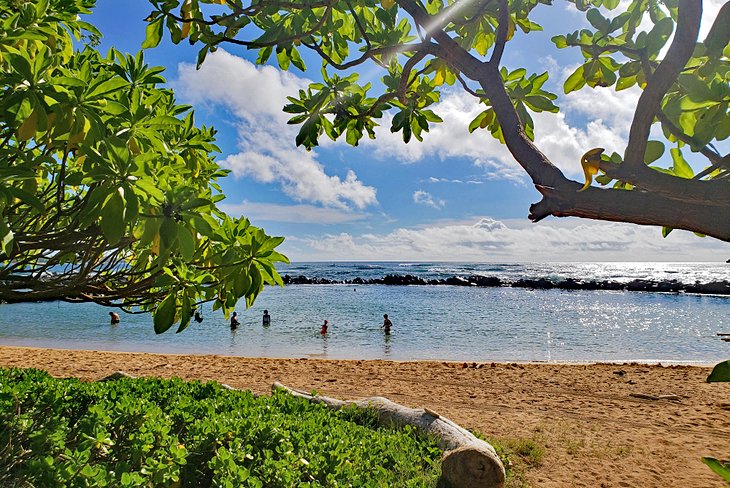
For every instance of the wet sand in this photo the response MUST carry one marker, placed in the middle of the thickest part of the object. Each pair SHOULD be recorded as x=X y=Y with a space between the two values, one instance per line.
x=594 y=432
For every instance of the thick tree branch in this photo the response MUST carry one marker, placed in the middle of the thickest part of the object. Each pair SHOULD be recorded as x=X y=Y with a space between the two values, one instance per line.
x=680 y=51
x=631 y=206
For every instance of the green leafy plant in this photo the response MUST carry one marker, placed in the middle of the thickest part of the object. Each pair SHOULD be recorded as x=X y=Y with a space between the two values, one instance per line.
x=153 y=432
x=108 y=189
x=420 y=46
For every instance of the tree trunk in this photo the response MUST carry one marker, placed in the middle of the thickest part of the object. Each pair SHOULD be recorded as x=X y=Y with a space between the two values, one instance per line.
x=468 y=462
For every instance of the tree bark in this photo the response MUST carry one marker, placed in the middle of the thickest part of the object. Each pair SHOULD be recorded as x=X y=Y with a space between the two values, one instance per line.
x=468 y=462
x=636 y=207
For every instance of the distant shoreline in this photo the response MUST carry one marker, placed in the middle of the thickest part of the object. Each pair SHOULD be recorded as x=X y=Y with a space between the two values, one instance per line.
x=642 y=285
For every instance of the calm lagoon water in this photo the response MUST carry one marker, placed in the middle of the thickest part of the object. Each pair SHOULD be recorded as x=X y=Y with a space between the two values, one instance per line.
x=430 y=322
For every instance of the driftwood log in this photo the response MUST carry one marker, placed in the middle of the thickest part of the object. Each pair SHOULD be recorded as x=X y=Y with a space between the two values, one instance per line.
x=468 y=462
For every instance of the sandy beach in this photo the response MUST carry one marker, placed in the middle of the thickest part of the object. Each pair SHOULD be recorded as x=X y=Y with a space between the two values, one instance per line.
x=595 y=433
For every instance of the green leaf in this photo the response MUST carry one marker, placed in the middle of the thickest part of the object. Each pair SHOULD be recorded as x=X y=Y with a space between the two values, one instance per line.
x=186 y=241
x=576 y=81
x=112 y=216
x=598 y=21
x=168 y=233
x=654 y=151
x=201 y=57
x=720 y=373
x=165 y=314
x=185 y=314
x=666 y=231
x=153 y=33
x=722 y=469
x=195 y=203
x=560 y=41
x=107 y=87
x=681 y=167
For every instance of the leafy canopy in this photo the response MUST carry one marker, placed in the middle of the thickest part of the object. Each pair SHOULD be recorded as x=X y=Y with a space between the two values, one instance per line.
x=420 y=46
x=108 y=188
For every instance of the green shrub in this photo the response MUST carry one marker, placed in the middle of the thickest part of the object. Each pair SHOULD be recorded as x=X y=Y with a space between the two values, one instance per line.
x=153 y=432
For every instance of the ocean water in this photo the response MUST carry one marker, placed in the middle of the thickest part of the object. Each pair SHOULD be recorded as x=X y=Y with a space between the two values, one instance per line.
x=429 y=322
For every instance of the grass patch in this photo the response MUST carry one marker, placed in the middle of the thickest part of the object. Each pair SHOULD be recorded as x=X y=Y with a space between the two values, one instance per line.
x=519 y=456
x=154 y=432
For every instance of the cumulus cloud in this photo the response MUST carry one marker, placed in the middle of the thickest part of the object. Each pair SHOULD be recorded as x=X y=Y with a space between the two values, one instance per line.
x=588 y=118
x=255 y=95
x=424 y=198
x=487 y=239
x=301 y=214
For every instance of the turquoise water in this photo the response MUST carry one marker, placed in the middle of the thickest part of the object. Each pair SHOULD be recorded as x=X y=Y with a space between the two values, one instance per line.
x=430 y=322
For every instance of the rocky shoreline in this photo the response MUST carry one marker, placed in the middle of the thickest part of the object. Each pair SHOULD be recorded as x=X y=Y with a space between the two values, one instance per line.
x=664 y=286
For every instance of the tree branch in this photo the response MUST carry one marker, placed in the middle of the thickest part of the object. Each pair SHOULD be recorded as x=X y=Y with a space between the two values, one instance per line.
x=680 y=51
x=502 y=31
x=631 y=206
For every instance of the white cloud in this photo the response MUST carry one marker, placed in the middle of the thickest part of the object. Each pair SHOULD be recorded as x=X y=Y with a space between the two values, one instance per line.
x=605 y=116
x=301 y=214
x=489 y=240
x=424 y=198
x=255 y=97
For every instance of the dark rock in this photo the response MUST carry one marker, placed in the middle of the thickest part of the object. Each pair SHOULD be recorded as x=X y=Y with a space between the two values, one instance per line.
x=485 y=280
x=457 y=281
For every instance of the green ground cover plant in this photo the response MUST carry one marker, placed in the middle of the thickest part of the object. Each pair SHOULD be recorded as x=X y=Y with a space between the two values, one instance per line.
x=155 y=432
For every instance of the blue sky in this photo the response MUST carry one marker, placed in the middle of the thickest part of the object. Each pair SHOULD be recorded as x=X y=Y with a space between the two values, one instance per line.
x=456 y=196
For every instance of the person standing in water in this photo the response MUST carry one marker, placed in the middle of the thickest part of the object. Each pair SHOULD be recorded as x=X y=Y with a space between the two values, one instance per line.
x=234 y=321
x=114 y=317
x=266 y=320
x=324 y=328
x=387 y=324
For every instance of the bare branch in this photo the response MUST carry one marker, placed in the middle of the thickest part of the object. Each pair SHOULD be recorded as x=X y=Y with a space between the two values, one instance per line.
x=635 y=207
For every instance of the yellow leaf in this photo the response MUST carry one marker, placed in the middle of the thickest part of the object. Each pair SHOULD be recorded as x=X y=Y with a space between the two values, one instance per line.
x=440 y=77
x=387 y=4
x=590 y=163
x=187 y=14
x=510 y=28
x=28 y=128
x=156 y=244
x=133 y=146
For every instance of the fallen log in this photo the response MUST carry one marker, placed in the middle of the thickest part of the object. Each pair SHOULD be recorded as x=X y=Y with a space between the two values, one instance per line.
x=468 y=462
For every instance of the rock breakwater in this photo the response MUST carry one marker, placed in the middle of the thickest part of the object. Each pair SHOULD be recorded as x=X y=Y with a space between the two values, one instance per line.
x=663 y=286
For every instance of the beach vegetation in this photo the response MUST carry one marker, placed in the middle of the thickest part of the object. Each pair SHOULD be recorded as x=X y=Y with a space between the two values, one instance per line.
x=519 y=456
x=423 y=47
x=108 y=188
x=156 y=432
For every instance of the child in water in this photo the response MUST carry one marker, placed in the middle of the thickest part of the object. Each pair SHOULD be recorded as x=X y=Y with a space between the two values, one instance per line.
x=324 y=328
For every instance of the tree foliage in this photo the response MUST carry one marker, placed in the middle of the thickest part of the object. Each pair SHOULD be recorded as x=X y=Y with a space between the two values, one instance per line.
x=422 y=45
x=108 y=188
